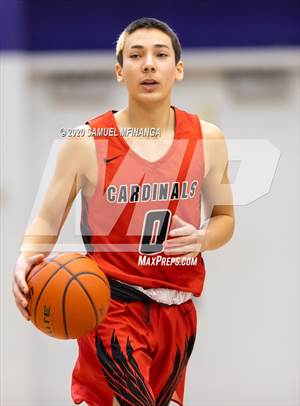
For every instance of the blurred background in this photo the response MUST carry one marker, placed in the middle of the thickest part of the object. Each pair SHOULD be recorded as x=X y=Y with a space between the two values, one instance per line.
x=242 y=74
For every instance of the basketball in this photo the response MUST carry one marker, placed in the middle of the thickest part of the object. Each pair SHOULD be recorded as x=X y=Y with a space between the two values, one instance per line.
x=68 y=296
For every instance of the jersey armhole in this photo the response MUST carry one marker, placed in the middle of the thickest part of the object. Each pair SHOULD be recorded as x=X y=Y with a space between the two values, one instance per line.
x=88 y=199
x=200 y=133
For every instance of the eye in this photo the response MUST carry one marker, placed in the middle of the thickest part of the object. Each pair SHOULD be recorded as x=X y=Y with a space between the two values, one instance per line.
x=161 y=54
x=134 y=56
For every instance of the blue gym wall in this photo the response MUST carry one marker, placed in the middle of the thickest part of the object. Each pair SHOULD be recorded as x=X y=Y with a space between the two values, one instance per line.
x=35 y=25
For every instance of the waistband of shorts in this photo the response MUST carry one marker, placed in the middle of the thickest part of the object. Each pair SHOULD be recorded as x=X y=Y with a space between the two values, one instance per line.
x=126 y=293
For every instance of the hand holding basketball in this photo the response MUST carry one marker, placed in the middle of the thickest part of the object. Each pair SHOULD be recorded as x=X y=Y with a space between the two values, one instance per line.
x=19 y=285
x=69 y=295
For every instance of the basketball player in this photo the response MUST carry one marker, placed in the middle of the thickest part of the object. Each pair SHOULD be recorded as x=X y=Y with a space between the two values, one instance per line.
x=141 y=199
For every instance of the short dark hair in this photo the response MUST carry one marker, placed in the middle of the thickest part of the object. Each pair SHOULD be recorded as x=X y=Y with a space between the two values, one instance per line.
x=148 y=23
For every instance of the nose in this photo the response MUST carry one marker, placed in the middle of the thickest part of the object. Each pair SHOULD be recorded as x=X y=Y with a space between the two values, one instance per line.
x=149 y=64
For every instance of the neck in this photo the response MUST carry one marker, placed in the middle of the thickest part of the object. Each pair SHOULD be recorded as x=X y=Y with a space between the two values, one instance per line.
x=159 y=115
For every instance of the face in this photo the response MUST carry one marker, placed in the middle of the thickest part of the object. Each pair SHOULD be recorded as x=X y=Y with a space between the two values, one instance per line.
x=149 y=68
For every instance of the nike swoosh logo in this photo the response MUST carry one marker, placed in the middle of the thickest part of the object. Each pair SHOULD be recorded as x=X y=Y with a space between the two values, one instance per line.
x=107 y=160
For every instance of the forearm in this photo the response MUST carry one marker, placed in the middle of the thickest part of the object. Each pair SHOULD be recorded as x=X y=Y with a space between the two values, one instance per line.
x=40 y=238
x=218 y=230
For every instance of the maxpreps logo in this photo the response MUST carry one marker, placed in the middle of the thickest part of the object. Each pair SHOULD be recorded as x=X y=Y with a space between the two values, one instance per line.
x=164 y=261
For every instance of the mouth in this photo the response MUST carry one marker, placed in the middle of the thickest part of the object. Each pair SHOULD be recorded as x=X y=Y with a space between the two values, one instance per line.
x=149 y=84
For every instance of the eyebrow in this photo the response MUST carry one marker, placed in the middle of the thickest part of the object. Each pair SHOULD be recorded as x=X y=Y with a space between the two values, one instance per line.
x=155 y=46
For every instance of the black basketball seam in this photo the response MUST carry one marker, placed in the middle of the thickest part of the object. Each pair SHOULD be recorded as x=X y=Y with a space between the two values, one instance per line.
x=74 y=277
x=44 y=287
x=30 y=279
x=66 y=268
x=53 y=259
x=91 y=273
x=48 y=261
x=63 y=306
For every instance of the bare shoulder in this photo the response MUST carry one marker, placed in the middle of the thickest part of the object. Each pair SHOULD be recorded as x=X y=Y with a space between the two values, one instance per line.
x=78 y=147
x=77 y=153
x=210 y=131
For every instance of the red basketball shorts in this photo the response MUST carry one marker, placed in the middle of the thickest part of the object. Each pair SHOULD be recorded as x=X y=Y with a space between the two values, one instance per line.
x=138 y=354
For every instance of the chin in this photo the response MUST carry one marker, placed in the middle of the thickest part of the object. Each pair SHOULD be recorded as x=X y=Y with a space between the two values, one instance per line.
x=150 y=97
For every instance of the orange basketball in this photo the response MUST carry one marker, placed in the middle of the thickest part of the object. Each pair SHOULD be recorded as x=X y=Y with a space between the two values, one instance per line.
x=69 y=295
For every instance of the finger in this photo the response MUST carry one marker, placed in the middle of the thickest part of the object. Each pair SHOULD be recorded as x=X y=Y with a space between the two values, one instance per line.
x=19 y=297
x=182 y=231
x=185 y=249
x=35 y=259
x=21 y=282
x=21 y=275
x=186 y=240
x=23 y=311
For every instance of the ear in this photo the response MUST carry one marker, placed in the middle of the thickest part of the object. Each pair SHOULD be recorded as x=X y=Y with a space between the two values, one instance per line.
x=179 y=71
x=119 y=72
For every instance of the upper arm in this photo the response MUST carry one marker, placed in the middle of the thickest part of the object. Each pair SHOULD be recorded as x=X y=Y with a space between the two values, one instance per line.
x=216 y=192
x=65 y=184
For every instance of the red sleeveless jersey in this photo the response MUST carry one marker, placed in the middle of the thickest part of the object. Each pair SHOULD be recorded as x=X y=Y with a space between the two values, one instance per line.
x=129 y=216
